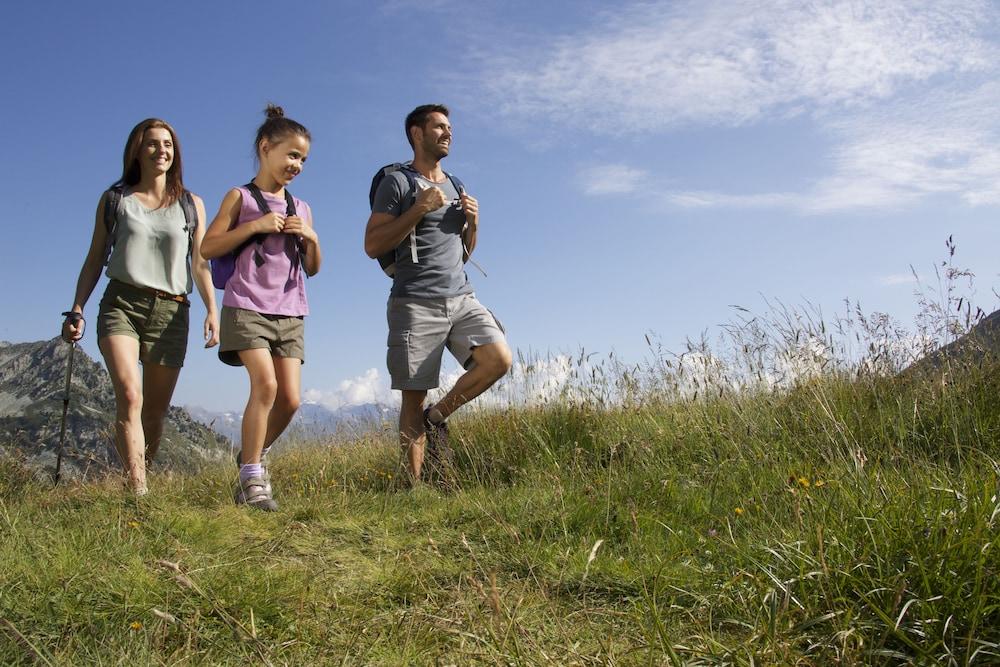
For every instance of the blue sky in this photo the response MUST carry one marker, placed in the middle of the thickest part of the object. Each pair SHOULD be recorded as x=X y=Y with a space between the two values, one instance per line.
x=639 y=169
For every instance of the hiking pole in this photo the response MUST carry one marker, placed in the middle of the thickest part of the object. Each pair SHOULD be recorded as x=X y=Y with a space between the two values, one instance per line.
x=62 y=428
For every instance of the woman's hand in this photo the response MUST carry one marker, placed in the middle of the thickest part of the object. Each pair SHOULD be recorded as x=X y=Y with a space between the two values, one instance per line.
x=73 y=326
x=211 y=330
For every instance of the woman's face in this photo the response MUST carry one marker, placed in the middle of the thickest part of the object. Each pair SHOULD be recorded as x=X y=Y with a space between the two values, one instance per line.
x=156 y=155
x=283 y=161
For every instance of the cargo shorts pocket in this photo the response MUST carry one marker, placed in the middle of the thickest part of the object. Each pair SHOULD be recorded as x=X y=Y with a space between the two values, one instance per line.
x=398 y=355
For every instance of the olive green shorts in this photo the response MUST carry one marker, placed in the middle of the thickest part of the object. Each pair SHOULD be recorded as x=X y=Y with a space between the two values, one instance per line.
x=242 y=329
x=160 y=325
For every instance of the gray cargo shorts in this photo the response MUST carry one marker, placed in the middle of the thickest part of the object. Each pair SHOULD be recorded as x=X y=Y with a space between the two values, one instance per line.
x=420 y=329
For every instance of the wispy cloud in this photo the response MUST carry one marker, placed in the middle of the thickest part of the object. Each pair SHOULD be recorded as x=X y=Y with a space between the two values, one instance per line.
x=655 y=66
x=894 y=279
x=611 y=179
x=940 y=142
x=868 y=74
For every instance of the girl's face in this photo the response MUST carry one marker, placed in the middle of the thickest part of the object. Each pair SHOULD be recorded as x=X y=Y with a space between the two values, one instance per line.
x=284 y=160
x=156 y=155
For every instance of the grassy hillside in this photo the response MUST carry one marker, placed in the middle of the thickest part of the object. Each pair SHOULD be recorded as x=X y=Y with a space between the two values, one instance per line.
x=843 y=520
x=789 y=500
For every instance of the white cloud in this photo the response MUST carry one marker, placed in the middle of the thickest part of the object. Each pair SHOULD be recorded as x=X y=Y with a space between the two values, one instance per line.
x=654 y=66
x=528 y=383
x=799 y=360
x=611 y=179
x=361 y=390
x=898 y=279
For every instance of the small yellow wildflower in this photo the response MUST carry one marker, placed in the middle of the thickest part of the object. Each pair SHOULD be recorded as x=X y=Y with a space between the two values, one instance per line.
x=133 y=524
x=738 y=511
x=804 y=482
x=818 y=483
x=136 y=625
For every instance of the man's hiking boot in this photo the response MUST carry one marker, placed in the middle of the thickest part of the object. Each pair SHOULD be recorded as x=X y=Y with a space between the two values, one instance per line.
x=264 y=474
x=254 y=493
x=439 y=458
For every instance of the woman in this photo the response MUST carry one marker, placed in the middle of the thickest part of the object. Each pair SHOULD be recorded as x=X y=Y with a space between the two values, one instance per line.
x=148 y=232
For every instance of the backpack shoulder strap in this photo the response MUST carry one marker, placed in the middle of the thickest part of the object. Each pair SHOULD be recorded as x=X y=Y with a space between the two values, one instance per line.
x=406 y=168
x=258 y=197
x=112 y=203
x=411 y=180
x=289 y=203
x=456 y=183
x=190 y=218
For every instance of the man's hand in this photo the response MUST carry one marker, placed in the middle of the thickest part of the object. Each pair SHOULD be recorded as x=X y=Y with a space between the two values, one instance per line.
x=470 y=206
x=430 y=199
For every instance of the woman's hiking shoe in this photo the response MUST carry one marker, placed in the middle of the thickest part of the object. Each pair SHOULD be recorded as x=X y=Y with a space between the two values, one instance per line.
x=264 y=474
x=255 y=492
x=439 y=458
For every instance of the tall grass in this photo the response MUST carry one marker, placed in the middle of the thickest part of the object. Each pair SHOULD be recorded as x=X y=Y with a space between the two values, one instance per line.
x=780 y=496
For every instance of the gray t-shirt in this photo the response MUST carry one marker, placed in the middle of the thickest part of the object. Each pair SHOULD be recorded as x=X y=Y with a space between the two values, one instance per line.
x=439 y=270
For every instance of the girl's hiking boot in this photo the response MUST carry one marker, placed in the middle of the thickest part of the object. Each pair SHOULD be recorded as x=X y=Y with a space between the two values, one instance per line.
x=254 y=493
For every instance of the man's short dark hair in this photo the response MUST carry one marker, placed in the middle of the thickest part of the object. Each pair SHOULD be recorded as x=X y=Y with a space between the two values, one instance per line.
x=418 y=117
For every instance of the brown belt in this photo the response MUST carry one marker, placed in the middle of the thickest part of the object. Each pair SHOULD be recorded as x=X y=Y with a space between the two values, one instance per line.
x=179 y=298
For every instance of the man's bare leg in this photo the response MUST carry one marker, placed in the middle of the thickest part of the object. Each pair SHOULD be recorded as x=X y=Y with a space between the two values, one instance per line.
x=411 y=430
x=491 y=362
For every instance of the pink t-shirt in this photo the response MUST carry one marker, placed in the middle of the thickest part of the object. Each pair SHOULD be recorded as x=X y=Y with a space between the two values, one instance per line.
x=278 y=285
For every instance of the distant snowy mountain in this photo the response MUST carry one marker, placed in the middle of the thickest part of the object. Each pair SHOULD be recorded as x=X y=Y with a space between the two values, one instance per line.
x=312 y=422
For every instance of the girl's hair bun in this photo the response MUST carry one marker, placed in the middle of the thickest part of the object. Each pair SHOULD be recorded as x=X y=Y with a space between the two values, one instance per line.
x=277 y=127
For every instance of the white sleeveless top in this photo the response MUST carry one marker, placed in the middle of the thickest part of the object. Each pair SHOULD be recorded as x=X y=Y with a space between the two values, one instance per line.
x=151 y=247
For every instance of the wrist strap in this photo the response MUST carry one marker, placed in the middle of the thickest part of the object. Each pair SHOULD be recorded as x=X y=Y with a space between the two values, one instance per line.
x=73 y=315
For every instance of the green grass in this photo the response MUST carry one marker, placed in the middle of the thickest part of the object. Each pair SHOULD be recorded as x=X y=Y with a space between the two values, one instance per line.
x=695 y=511
x=843 y=521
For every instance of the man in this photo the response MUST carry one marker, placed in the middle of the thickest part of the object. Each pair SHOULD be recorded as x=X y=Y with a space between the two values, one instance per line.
x=432 y=227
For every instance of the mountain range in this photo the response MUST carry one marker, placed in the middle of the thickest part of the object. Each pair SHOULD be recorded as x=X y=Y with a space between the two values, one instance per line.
x=32 y=388
x=312 y=423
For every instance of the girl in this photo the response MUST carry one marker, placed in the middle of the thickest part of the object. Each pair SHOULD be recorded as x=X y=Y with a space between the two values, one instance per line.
x=271 y=234
x=148 y=231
